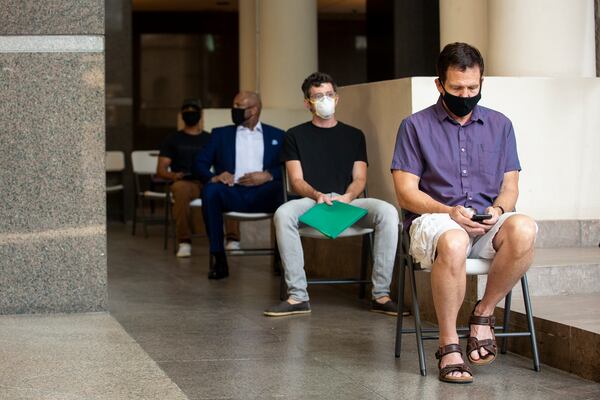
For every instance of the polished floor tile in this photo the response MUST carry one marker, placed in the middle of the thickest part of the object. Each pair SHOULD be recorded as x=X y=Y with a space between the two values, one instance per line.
x=76 y=356
x=211 y=338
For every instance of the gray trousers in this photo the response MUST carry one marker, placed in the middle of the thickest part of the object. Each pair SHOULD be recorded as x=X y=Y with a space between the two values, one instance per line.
x=382 y=217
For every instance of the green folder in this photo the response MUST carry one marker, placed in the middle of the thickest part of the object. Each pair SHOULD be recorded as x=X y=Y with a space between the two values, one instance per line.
x=332 y=220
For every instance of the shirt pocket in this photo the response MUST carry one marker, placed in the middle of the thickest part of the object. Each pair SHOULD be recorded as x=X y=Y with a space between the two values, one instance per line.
x=490 y=160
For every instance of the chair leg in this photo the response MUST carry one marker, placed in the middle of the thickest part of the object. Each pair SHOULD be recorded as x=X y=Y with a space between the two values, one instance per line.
x=167 y=222
x=507 y=304
x=277 y=269
x=528 y=311
x=282 y=287
x=144 y=220
x=364 y=263
x=418 y=332
x=123 y=206
x=135 y=209
x=400 y=317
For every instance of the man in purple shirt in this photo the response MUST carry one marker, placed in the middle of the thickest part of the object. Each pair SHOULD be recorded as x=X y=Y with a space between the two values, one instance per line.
x=453 y=160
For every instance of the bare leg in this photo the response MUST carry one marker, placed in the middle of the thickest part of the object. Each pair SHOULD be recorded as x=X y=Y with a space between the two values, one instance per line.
x=448 y=282
x=514 y=252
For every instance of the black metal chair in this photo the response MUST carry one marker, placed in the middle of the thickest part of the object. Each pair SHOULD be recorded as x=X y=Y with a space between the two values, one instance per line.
x=474 y=267
x=366 y=251
x=144 y=166
x=115 y=167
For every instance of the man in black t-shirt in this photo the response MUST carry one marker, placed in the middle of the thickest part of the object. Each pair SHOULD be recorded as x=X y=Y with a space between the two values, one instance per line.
x=326 y=160
x=177 y=154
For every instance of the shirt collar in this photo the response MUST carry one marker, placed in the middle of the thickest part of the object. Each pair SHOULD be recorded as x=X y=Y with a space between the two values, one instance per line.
x=441 y=112
x=257 y=129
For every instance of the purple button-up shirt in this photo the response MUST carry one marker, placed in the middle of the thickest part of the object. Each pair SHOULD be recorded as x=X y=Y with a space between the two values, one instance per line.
x=457 y=164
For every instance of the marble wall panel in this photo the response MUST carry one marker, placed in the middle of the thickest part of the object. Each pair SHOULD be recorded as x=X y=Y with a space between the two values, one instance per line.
x=63 y=270
x=52 y=17
x=52 y=140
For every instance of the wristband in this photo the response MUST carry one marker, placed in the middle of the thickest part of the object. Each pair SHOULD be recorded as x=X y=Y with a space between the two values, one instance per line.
x=501 y=209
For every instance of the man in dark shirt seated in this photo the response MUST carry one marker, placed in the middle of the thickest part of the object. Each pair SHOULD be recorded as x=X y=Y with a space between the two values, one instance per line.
x=247 y=172
x=177 y=154
x=326 y=160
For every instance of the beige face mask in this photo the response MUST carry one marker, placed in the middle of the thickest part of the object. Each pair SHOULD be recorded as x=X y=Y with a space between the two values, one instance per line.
x=325 y=107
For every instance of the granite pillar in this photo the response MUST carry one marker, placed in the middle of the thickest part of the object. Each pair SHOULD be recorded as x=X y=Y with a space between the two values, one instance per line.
x=597 y=19
x=53 y=236
x=403 y=38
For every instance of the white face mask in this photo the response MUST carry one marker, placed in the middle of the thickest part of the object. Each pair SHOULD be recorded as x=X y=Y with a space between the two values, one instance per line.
x=325 y=107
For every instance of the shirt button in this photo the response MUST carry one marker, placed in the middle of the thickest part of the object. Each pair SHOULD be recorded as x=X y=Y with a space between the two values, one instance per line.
x=464 y=171
x=470 y=198
x=462 y=149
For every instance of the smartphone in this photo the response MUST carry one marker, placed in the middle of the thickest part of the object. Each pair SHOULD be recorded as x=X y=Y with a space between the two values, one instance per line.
x=480 y=217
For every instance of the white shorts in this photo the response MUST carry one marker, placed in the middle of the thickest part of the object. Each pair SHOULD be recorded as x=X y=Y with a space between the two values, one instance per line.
x=427 y=229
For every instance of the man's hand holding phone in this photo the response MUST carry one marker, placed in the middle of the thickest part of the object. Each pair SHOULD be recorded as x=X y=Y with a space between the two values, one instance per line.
x=495 y=214
x=463 y=216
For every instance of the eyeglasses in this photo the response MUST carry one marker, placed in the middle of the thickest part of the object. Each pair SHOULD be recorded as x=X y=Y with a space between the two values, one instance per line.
x=318 y=96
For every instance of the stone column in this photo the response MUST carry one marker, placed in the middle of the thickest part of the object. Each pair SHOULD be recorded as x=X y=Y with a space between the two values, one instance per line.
x=287 y=50
x=541 y=38
x=597 y=13
x=248 y=35
x=53 y=236
x=403 y=38
x=464 y=21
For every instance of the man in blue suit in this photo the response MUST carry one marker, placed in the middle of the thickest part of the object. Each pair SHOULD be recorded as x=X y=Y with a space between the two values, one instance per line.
x=247 y=172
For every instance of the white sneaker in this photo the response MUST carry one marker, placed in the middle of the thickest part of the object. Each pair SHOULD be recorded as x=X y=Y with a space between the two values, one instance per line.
x=233 y=246
x=185 y=250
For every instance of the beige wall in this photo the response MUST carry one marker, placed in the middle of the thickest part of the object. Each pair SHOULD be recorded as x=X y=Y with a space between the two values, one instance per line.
x=377 y=108
x=556 y=121
x=559 y=42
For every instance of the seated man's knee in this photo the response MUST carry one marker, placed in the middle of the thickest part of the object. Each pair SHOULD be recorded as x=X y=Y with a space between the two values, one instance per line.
x=283 y=215
x=520 y=230
x=452 y=247
x=389 y=213
x=179 y=189
x=211 y=190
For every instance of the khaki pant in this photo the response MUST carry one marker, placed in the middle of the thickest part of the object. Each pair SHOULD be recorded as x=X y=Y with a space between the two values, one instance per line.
x=183 y=193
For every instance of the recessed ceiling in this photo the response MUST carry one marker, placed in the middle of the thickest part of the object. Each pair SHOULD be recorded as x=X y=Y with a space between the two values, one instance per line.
x=324 y=6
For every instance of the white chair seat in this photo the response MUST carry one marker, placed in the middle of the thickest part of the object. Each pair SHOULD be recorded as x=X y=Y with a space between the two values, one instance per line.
x=247 y=216
x=114 y=188
x=475 y=266
x=196 y=203
x=310 y=232
x=153 y=195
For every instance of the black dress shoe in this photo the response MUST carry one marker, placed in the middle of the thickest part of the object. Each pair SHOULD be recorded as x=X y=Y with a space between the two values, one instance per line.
x=215 y=274
x=219 y=269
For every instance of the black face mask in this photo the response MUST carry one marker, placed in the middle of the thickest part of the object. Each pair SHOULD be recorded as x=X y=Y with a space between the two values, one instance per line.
x=460 y=106
x=238 y=116
x=190 y=118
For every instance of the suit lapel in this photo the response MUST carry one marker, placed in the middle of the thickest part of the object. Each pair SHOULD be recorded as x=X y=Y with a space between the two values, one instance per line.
x=231 y=151
x=267 y=145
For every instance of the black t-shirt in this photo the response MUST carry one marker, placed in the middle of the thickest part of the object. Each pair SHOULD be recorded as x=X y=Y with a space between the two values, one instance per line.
x=327 y=155
x=182 y=149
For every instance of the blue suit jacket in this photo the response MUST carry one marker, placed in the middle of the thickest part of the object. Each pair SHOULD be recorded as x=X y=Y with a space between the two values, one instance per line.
x=220 y=152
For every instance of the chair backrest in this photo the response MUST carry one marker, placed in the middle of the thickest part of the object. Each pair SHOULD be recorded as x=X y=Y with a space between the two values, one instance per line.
x=115 y=161
x=144 y=162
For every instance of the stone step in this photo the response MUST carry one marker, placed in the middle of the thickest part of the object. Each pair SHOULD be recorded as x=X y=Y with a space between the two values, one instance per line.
x=560 y=271
x=568 y=233
x=567 y=330
x=580 y=311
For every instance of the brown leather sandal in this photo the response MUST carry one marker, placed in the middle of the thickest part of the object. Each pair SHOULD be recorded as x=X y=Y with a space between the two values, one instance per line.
x=474 y=344
x=445 y=372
